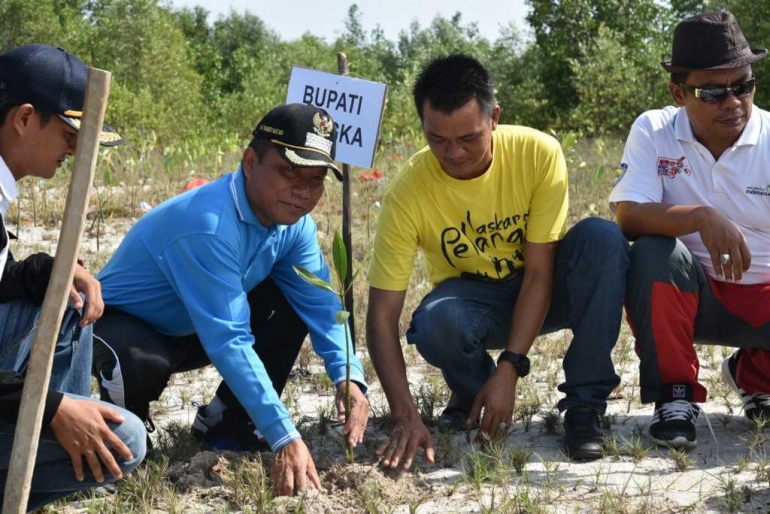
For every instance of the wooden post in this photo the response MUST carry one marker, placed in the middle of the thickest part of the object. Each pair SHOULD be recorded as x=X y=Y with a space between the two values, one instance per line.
x=38 y=376
x=342 y=66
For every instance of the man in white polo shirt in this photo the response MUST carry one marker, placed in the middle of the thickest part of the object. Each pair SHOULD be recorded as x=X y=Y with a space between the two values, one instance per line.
x=695 y=194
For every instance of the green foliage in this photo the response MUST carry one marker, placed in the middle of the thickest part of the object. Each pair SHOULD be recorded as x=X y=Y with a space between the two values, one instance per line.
x=195 y=87
x=608 y=73
x=565 y=29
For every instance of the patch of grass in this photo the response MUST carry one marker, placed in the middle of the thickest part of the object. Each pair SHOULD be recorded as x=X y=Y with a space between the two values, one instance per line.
x=528 y=404
x=487 y=463
x=431 y=394
x=518 y=456
x=246 y=481
x=611 y=447
x=517 y=500
x=637 y=448
x=552 y=422
x=681 y=459
x=734 y=495
x=174 y=442
x=321 y=383
x=144 y=490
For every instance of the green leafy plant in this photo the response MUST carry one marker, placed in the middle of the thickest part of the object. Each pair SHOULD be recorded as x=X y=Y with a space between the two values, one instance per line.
x=340 y=258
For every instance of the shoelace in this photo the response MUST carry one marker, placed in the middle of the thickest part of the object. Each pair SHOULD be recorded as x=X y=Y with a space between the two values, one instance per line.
x=758 y=399
x=677 y=410
x=685 y=411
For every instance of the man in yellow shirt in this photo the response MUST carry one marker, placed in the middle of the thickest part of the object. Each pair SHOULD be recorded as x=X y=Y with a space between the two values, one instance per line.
x=479 y=201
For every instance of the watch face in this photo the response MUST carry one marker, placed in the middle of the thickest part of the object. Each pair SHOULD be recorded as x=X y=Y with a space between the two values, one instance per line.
x=523 y=367
x=520 y=362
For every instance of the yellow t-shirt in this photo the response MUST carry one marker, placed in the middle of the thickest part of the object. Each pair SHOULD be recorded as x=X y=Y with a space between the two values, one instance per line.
x=472 y=228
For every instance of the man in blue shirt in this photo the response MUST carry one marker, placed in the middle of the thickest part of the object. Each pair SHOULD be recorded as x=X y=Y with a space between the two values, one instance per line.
x=207 y=277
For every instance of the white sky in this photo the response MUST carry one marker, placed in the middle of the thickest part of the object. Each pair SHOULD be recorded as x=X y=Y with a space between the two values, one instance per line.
x=325 y=18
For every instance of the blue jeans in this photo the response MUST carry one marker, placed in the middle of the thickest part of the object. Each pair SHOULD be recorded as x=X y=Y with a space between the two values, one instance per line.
x=461 y=319
x=54 y=476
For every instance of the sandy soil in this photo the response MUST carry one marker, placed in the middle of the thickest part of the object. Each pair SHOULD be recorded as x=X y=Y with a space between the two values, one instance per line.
x=727 y=471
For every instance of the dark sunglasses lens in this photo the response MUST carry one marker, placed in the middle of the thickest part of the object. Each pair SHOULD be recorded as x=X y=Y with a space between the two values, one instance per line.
x=713 y=95
x=745 y=89
x=719 y=94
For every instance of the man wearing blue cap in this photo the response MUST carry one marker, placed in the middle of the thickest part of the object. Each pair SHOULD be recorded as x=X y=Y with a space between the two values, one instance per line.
x=207 y=278
x=42 y=92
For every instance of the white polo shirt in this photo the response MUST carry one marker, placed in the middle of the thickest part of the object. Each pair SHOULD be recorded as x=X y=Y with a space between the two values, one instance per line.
x=9 y=192
x=664 y=163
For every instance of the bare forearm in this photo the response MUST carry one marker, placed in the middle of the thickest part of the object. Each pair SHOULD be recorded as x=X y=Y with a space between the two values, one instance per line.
x=388 y=359
x=662 y=219
x=530 y=311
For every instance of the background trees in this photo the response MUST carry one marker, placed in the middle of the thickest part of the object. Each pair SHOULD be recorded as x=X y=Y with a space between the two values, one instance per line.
x=590 y=66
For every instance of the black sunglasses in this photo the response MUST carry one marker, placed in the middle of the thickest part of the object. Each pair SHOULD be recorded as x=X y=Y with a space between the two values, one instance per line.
x=717 y=95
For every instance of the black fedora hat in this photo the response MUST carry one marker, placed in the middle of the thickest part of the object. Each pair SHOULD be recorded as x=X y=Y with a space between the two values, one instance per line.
x=710 y=41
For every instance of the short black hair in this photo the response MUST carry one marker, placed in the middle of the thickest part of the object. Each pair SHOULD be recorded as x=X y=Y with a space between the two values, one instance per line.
x=8 y=102
x=680 y=78
x=261 y=147
x=448 y=82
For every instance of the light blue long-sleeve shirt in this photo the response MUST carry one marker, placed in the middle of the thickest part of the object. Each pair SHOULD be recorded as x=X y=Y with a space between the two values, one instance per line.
x=187 y=266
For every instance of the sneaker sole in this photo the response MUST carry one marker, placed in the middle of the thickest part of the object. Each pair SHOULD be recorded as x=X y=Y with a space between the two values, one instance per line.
x=730 y=381
x=585 y=455
x=677 y=442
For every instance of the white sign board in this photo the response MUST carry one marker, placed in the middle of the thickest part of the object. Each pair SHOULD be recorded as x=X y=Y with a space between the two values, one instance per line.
x=355 y=104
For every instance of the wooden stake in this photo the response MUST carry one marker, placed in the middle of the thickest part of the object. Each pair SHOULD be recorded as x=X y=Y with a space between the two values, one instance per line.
x=342 y=66
x=38 y=376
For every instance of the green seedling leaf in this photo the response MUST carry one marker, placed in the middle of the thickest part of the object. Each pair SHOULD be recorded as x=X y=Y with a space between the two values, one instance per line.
x=342 y=317
x=340 y=256
x=312 y=279
x=600 y=172
x=352 y=281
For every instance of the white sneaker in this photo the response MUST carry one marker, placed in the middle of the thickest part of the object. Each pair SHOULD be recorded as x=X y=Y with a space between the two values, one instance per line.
x=755 y=405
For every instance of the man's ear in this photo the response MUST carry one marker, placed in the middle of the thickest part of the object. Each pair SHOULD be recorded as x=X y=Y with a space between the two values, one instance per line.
x=21 y=117
x=496 y=116
x=677 y=94
x=250 y=157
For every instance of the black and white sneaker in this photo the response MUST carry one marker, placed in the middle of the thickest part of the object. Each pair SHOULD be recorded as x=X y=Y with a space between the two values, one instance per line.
x=756 y=406
x=227 y=432
x=673 y=424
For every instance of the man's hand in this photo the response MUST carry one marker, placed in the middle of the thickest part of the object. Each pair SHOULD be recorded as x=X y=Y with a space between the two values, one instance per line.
x=722 y=236
x=85 y=283
x=359 y=413
x=408 y=434
x=80 y=428
x=294 y=470
x=497 y=398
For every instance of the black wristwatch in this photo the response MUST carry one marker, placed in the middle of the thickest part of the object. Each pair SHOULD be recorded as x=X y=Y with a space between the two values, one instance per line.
x=519 y=361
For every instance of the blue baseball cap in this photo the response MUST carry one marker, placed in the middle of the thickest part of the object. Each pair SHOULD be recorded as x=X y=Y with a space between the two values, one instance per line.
x=50 y=79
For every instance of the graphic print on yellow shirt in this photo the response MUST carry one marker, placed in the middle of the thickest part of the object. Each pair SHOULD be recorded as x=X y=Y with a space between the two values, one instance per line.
x=472 y=228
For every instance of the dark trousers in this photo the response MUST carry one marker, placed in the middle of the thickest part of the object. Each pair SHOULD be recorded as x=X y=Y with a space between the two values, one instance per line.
x=672 y=304
x=133 y=362
x=461 y=319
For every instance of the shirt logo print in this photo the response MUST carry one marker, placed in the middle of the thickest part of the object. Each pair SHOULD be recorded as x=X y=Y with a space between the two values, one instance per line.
x=668 y=167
